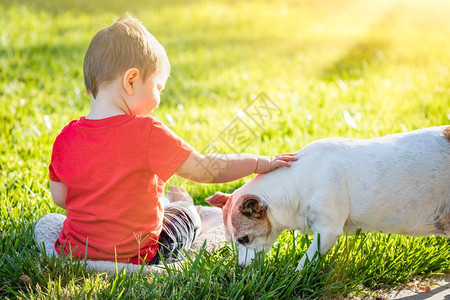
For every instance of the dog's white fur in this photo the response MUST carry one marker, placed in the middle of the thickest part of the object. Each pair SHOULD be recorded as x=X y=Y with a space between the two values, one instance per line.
x=393 y=184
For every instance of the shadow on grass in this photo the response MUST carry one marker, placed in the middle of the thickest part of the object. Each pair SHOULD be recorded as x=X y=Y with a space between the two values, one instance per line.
x=364 y=56
x=359 y=61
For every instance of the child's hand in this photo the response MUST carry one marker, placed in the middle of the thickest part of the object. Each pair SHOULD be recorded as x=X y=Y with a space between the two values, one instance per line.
x=266 y=163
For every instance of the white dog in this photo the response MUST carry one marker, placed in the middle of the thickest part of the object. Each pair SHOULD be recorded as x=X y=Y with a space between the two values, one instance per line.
x=393 y=184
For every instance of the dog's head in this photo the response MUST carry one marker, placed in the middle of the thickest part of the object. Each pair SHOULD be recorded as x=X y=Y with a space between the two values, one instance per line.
x=246 y=222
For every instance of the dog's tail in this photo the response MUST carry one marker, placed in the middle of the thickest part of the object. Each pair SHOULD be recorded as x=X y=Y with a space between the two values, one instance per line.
x=443 y=225
x=447 y=133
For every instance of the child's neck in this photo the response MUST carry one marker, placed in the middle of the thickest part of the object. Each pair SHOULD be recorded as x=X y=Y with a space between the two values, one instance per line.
x=95 y=114
x=104 y=106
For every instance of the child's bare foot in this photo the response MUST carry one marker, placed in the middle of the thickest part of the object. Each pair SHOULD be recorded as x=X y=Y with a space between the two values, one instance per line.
x=210 y=216
x=177 y=193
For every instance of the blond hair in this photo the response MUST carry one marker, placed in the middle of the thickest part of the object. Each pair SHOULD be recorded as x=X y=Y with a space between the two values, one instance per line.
x=115 y=49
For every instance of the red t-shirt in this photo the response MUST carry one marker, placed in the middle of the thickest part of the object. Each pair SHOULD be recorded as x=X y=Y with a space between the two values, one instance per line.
x=115 y=170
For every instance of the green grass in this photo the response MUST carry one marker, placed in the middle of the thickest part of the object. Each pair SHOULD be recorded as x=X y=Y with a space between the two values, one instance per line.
x=383 y=64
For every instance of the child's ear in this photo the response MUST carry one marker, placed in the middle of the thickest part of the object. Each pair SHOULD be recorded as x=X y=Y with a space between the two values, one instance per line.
x=129 y=80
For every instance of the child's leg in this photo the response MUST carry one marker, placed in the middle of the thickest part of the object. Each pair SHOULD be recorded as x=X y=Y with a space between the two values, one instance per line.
x=210 y=216
x=181 y=226
x=177 y=193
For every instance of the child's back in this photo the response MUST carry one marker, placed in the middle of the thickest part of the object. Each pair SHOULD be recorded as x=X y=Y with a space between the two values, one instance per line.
x=115 y=177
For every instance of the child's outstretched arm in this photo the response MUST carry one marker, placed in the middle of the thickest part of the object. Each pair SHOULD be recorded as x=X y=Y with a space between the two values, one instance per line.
x=219 y=168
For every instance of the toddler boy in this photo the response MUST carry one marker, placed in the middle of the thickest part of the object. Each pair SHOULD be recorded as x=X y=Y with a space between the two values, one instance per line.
x=108 y=169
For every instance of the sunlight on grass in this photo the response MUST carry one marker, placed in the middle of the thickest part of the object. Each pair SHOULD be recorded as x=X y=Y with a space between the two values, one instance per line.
x=334 y=68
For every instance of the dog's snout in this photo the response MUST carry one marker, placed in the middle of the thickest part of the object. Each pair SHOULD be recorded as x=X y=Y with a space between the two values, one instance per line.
x=243 y=240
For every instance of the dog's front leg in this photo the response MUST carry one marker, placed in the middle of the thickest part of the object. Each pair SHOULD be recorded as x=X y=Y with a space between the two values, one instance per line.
x=324 y=239
x=326 y=216
x=246 y=255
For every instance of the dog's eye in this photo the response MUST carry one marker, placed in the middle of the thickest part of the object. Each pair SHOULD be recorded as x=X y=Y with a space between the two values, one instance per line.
x=243 y=240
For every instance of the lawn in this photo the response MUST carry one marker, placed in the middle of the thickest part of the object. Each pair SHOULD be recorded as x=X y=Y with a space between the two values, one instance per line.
x=330 y=68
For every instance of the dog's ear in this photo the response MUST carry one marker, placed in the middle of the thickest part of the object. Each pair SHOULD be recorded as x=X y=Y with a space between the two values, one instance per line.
x=219 y=199
x=253 y=208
